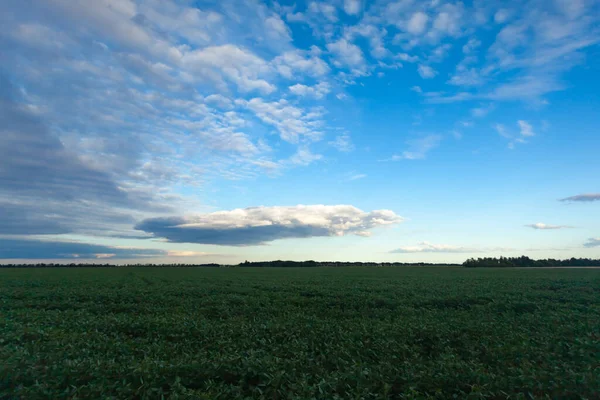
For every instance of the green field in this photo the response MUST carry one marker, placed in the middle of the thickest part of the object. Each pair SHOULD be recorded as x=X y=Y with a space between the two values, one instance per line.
x=322 y=333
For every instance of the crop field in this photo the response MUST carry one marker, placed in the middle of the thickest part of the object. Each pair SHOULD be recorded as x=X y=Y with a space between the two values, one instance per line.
x=299 y=333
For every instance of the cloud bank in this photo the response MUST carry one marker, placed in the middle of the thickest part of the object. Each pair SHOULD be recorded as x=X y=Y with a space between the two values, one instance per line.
x=41 y=249
x=259 y=225
x=426 y=247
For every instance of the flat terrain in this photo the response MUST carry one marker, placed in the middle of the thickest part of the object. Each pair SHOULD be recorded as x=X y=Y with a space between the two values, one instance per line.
x=323 y=333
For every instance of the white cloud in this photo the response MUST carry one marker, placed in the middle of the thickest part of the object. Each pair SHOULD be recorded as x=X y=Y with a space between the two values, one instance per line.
x=357 y=177
x=373 y=33
x=238 y=65
x=419 y=148
x=406 y=57
x=480 y=112
x=292 y=122
x=572 y=8
x=317 y=91
x=542 y=226
x=501 y=16
x=342 y=143
x=471 y=46
x=277 y=30
x=327 y=10
x=448 y=21
x=219 y=101
x=416 y=89
x=187 y=253
x=467 y=77
x=290 y=63
x=526 y=128
x=439 y=53
x=258 y=225
x=502 y=131
x=426 y=71
x=347 y=54
x=304 y=156
x=426 y=247
x=352 y=7
x=417 y=23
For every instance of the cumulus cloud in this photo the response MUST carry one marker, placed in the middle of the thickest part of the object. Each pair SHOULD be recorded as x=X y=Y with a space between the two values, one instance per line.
x=543 y=226
x=259 y=225
x=347 y=54
x=526 y=128
x=592 y=242
x=352 y=7
x=417 y=23
x=588 y=197
x=292 y=62
x=326 y=10
x=426 y=71
x=317 y=91
x=342 y=143
x=426 y=247
x=375 y=35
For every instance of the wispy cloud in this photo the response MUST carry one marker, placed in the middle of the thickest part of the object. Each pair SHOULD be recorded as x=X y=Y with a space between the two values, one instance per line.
x=588 y=197
x=542 y=226
x=418 y=148
x=525 y=131
x=592 y=242
x=426 y=247
x=357 y=176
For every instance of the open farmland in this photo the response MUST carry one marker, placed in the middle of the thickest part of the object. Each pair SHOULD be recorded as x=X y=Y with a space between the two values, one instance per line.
x=326 y=333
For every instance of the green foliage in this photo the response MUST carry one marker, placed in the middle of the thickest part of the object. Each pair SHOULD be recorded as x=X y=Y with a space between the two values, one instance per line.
x=299 y=333
x=523 y=261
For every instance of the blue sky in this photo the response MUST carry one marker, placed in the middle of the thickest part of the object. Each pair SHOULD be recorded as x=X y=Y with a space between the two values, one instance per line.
x=203 y=131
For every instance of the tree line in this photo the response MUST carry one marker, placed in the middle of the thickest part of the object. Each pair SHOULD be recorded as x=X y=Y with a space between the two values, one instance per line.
x=256 y=264
x=485 y=262
x=524 y=261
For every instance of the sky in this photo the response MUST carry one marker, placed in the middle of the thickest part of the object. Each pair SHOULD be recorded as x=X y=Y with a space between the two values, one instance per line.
x=351 y=130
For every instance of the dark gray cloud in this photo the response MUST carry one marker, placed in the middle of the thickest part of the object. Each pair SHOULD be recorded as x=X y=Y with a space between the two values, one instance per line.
x=38 y=249
x=583 y=197
x=35 y=163
x=259 y=225
x=169 y=228
x=46 y=188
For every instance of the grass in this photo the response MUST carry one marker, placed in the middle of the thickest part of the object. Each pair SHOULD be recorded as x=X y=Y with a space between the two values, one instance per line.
x=323 y=333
